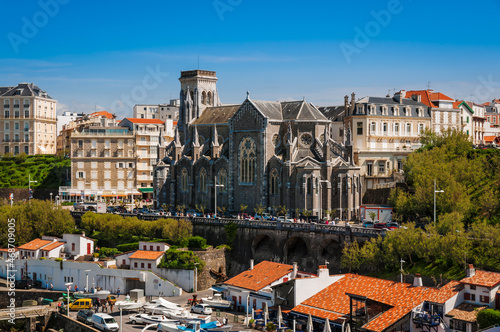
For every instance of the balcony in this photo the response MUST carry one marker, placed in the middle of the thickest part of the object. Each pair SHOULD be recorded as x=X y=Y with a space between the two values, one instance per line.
x=16 y=106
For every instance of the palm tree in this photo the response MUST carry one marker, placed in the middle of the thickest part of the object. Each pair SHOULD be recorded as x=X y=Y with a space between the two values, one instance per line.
x=306 y=213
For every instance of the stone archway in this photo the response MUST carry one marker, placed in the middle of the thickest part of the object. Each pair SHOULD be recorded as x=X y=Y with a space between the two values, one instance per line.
x=330 y=250
x=296 y=250
x=263 y=246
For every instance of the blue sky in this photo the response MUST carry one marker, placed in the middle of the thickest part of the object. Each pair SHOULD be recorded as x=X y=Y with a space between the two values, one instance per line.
x=88 y=53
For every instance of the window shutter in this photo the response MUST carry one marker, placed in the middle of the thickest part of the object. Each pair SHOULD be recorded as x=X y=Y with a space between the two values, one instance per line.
x=467 y=296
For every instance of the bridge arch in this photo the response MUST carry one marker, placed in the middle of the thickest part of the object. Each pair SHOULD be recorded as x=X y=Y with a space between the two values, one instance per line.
x=297 y=250
x=263 y=246
x=329 y=250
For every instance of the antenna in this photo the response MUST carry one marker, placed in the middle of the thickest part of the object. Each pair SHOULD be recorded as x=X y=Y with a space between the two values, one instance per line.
x=428 y=85
x=198 y=62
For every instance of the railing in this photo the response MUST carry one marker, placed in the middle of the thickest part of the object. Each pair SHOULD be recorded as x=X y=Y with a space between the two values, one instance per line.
x=261 y=224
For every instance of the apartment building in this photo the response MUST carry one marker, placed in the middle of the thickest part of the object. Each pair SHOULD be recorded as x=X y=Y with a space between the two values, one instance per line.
x=473 y=120
x=163 y=112
x=443 y=113
x=382 y=132
x=103 y=162
x=27 y=120
x=149 y=139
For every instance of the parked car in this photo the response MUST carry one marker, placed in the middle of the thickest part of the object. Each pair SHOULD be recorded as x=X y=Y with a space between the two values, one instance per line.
x=368 y=224
x=201 y=308
x=24 y=284
x=392 y=225
x=380 y=225
x=104 y=322
x=85 y=316
x=193 y=213
x=264 y=216
x=136 y=319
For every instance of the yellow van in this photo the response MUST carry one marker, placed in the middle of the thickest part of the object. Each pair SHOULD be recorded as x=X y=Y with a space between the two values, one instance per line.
x=81 y=304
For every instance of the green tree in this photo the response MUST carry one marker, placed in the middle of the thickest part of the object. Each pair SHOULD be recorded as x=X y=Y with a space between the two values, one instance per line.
x=260 y=209
x=351 y=256
x=201 y=207
x=306 y=213
x=372 y=215
x=488 y=317
x=243 y=207
x=282 y=210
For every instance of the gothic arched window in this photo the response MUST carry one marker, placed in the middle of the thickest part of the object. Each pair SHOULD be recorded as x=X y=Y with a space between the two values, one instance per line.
x=309 y=186
x=209 y=98
x=222 y=179
x=184 y=180
x=274 y=182
x=247 y=160
x=203 y=181
x=204 y=98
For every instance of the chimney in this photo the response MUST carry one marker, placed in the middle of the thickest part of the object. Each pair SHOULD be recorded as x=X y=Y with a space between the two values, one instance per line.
x=294 y=272
x=399 y=96
x=251 y=264
x=417 y=281
x=323 y=271
x=471 y=271
x=83 y=233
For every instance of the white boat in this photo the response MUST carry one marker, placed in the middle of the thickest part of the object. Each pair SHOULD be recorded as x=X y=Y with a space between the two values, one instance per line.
x=128 y=305
x=192 y=326
x=184 y=316
x=160 y=305
x=101 y=295
x=155 y=319
x=217 y=301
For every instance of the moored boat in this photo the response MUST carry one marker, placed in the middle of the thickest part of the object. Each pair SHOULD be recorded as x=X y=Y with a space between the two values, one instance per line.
x=217 y=301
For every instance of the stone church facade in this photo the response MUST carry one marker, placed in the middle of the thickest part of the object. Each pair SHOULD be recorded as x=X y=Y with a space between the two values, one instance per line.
x=257 y=153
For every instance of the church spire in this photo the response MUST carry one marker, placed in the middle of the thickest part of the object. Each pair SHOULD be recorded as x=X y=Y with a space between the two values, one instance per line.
x=216 y=137
x=177 y=138
x=289 y=134
x=196 y=139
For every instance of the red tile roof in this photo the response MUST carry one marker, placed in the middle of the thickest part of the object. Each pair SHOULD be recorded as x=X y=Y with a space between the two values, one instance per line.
x=35 y=244
x=147 y=255
x=7 y=250
x=457 y=103
x=491 y=139
x=53 y=246
x=483 y=278
x=428 y=97
x=401 y=297
x=439 y=96
x=150 y=121
x=466 y=312
x=103 y=113
x=262 y=275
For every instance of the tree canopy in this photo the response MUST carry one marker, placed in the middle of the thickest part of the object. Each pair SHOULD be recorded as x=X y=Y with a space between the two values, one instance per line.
x=470 y=179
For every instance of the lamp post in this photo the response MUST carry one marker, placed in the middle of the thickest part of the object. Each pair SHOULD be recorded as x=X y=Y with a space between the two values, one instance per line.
x=68 y=287
x=57 y=200
x=195 y=286
x=215 y=186
x=87 y=283
x=29 y=185
x=50 y=198
x=435 y=191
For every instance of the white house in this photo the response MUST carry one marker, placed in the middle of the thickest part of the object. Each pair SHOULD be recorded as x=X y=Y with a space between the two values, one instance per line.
x=31 y=250
x=9 y=253
x=482 y=288
x=78 y=245
x=153 y=246
x=145 y=259
x=123 y=260
x=53 y=250
x=253 y=287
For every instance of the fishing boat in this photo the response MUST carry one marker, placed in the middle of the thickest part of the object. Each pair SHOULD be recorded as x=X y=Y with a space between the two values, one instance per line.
x=155 y=319
x=128 y=305
x=192 y=326
x=160 y=305
x=101 y=295
x=184 y=316
x=217 y=301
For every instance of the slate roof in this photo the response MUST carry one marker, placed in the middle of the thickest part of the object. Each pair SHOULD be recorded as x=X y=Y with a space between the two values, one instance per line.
x=333 y=113
x=34 y=245
x=289 y=110
x=262 y=275
x=219 y=114
x=466 y=312
x=26 y=89
x=147 y=255
x=270 y=109
x=483 y=278
x=53 y=246
x=400 y=297
x=390 y=103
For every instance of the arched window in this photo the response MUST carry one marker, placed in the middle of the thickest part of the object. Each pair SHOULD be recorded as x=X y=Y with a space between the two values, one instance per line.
x=274 y=182
x=209 y=98
x=247 y=160
x=184 y=180
x=222 y=179
x=309 y=186
x=204 y=97
x=203 y=181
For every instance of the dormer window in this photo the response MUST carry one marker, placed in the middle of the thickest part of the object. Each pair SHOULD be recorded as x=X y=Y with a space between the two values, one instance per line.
x=372 y=109
x=360 y=109
x=420 y=112
x=407 y=111
x=395 y=110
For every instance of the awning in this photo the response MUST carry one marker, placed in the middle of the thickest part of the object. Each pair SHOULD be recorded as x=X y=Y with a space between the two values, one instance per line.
x=146 y=190
x=218 y=289
x=260 y=296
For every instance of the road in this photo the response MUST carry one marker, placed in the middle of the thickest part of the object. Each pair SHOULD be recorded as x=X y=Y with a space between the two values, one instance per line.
x=182 y=300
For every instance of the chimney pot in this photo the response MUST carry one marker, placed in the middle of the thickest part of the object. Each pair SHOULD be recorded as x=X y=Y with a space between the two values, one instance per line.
x=251 y=264
x=294 y=271
x=417 y=281
x=471 y=271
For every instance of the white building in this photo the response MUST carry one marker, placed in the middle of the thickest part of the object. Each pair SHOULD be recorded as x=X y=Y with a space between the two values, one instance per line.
x=158 y=111
x=78 y=245
x=145 y=259
x=66 y=118
x=153 y=246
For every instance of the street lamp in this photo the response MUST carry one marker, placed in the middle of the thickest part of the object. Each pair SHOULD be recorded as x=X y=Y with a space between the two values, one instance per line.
x=435 y=191
x=51 y=198
x=195 y=287
x=29 y=185
x=215 y=186
x=87 y=284
x=68 y=287
x=57 y=200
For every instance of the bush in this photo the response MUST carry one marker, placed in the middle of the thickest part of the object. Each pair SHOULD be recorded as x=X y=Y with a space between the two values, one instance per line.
x=108 y=252
x=197 y=242
x=270 y=326
x=488 y=317
x=128 y=246
x=176 y=259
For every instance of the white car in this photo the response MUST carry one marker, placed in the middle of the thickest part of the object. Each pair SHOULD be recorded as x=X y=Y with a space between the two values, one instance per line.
x=201 y=308
x=136 y=319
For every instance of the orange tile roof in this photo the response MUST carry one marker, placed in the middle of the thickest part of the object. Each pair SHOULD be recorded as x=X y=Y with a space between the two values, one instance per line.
x=262 y=275
x=7 y=250
x=466 y=312
x=35 y=244
x=439 y=96
x=146 y=254
x=424 y=96
x=490 y=139
x=151 y=121
x=457 y=103
x=53 y=246
x=401 y=297
x=103 y=113
x=483 y=278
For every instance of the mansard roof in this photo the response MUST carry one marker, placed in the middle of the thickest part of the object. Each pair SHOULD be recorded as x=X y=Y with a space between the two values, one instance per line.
x=390 y=102
x=333 y=113
x=24 y=90
x=219 y=114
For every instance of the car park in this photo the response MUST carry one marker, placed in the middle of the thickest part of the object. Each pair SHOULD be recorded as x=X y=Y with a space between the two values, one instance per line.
x=85 y=316
x=201 y=308
x=368 y=224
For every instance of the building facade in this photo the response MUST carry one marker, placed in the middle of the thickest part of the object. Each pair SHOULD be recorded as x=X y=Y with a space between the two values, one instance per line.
x=163 y=112
x=27 y=120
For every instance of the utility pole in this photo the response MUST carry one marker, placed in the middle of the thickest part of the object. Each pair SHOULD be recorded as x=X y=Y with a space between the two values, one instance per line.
x=402 y=261
x=29 y=187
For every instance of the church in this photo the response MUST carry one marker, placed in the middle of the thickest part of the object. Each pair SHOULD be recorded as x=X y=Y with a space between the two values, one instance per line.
x=258 y=154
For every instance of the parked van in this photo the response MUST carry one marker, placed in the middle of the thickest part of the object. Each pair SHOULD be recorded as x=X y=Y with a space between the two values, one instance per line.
x=81 y=304
x=104 y=322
